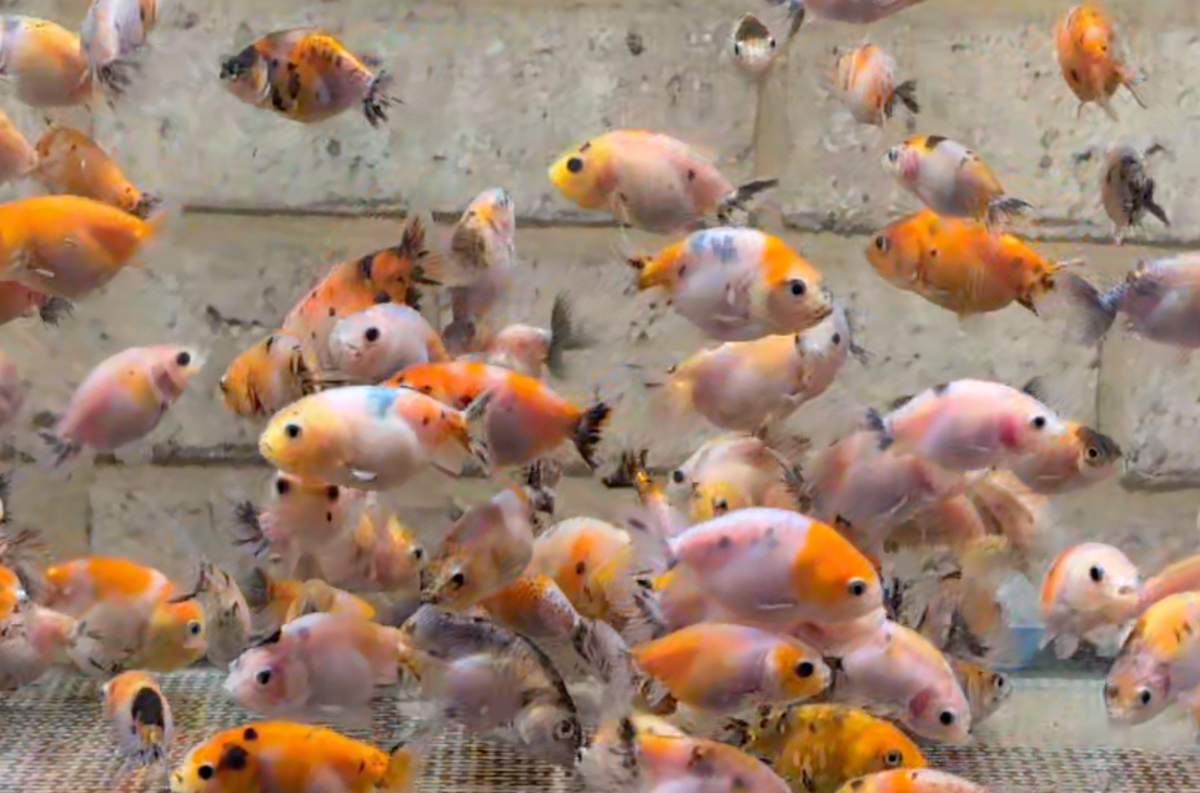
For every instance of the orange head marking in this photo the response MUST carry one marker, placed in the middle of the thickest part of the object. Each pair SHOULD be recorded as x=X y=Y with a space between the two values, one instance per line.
x=585 y=175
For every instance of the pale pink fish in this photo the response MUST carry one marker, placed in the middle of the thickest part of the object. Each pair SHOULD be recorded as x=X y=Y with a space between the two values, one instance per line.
x=834 y=639
x=528 y=350
x=483 y=245
x=32 y=642
x=112 y=31
x=44 y=61
x=376 y=553
x=374 y=344
x=898 y=669
x=1159 y=298
x=123 y=399
x=865 y=79
x=967 y=425
x=1088 y=588
x=320 y=665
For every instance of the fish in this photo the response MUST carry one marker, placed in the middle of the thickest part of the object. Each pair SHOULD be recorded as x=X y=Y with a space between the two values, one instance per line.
x=1074 y=460
x=961 y=265
x=725 y=668
x=523 y=418
x=378 y=554
x=859 y=12
x=1175 y=578
x=227 y=615
x=367 y=437
x=288 y=756
x=952 y=180
x=46 y=63
x=267 y=377
x=1127 y=191
x=140 y=716
x=18 y=157
x=18 y=301
x=375 y=343
x=320 y=666
x=71 y=163
x=276 y=602
x=864 y=79
x=648 y=180
x=1089 y=53
x=307 y=75
x=530 y=350
x=33 y=641
x=1159 y=663
x=592 y=562
x=123 y=399
x=68 y=246
x=112 y=31
x=20 y=578
x=1089 y=587
x=922 y=780
x=986 y=690
x=483 y=245
x=740 y=470
x=737 y=284
x=967 y=425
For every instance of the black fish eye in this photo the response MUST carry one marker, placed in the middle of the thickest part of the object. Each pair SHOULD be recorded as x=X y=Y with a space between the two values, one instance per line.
x=893 y=758
x=677 y=477
x=893 y=155
x=881 y=243
x=205 y=772
x=564 y=729
x=805 y=669
x=574 y=165
x=458 y=580
x=857 y=587
x=372 y=334
x=194 y=628
x=946 y=718
x=1144 y=696
x=1093 y=453
x=223 y=384
x=737 y=48
x=183 y=358
x=292 y=430
x=1039 y=422
x=999 y=682
x=1096 y=573
x=282 y=486
x=837 y=339
x=263 y=677
x=798 y=287
x=332 y=492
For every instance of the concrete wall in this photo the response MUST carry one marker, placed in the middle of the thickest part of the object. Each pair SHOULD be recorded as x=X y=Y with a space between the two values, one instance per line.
x=494 y=91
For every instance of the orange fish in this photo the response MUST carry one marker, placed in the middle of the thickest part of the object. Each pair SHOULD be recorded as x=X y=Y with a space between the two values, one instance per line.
x=865 y=77
x=18 y=301
x=592 y=562
x=18 y=157
x=276 y=602
x=46 y=62
x=1159 y=663
x=267 y=377
x=1089 y=54
x=74 y=164
x=140 y=716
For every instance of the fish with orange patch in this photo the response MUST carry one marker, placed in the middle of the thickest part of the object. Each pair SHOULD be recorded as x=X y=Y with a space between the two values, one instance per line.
x=1090 y=56
x=18 y=157
x=865 y=80
x=140 y=716
x=529 y=350
x=372 y=345
x=71 y=163
x=377 y=553
x=266 y=378
x=1088 y=589
x=20 y=577
x=18 y=301
x=1159 y=663
x=961 y=265
x=592 y=562
x=112 y=31
x=307 y=75
x=986 y=690
x=523 y=418
x=45 y=62
x=733 y=472
x=737 y=284
x=1074 y=460
x=275 y=602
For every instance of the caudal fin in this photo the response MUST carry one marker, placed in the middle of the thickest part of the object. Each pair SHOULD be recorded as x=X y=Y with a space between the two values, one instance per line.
x=1003 y=209
x=61 y=449
x=1093 y=312
x=377 y=101
x=587 y=432
x=906 y=94
x=565 y=335
x=248 y=530
x=55 y=309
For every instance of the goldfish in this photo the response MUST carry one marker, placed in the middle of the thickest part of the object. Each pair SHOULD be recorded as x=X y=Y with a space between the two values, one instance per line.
x=367 y=437
x=282 y=756
x=307 y=75
x=1090 y=56
x=729 y=668
x=592 y=562
x=123 y=399
x=534 y=606
x=266 y=378
x=961 y=265
x=319 y=665
x=1087 y=588
x=648 y=180
x=18 y=157
x=1157 y=298
x=755 y=50
x=1127 y=191
x=818 y=748
x=18 y=301
x=1158 y=664
x=275 y=602
x=378 y=554
x=69 y=246
x=46 y=62
x=865 y=80
x=747 y=385
x=112 y=31
x=967 y=425
x=1078 y=458
x=856 y=11
x=226 y=613
x=12 y=391
x=1175 y=578
x=738 y=470
x=71 y=163
x=486 y=549
x=737 y=284
x=963 y=613
x=523 y=418
x=952 y=180
x=922 y=780
x=140 y=717
x=898 y=670
x=375 y=343
x=528 y=350
x=31 y=642
x=484 y=246
x=986 y=690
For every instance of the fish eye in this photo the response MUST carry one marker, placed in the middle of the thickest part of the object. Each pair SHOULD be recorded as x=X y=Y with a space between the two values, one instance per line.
x=417 y=553
x=574 y=165
x=184 y=358
x=881 y=244
x=1093 y=453
x=893 y=155
x=282 y=486
x=737 y=48
x=837 y=339
x=1096 y=573
x=677 y=477
x=371 y=334
x=771 y=43
x=1039 y=422
x=893 y=758
x=564 y=730
x=332 y=492
x=798 y=287
x=946 y=717
x=263 y=677
x=195 y=628
x=720 y=503
x=292 y=430
x=999 y=682
x=205 y=771
x=805 y=669
x=857 y=587
x=1144 y=696
x=223 y=385
x=458 y=580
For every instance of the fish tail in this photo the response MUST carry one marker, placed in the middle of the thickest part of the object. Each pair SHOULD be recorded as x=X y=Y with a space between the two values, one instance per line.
x=564 y=335
x=55 y=309
x=248 y=529
x=740 y=197
x=428 y=265
x=1095 y=312
x=588 y=429
x=61 y=449
x=146 y=205
x=405 y=762
x=1153 y=206
x=906 y=92
x=877 y=424
x=377 y=101
x=1004 y=208
x=1131 y=79
x=542 y=478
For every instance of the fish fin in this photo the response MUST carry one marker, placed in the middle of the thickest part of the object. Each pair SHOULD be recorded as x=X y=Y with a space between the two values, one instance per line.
x=1109 y=110
x=62 y=450
x=878 y=425
x=564 y=335
x=542 y=479
x=604 y=652
x=587 y=431
x=741 y=196
x=55 y=309
x=1094 y=312
x=378 y=100
x=429 y=263
x=1152 y=206
x=906 y=92
x=1004 y=208
x=1065 y=646
x=248 y=529
x=405 y=763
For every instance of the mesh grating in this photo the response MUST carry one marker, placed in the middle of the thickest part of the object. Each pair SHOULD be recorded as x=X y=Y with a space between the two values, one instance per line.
x=54 y=741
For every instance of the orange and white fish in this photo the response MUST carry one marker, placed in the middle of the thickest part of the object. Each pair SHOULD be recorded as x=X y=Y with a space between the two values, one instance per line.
x=33 y=641
x=986 y=690
x=740 y=470
x=319 y=665
x=123 y=399
x=1159 y=663
x=367 y=437
x=729 y=668
x=307 y=75
x=71 y=163
x=267 y=377
x=112 y=31
x=140 y=716
x=18 y=157
x=282 y=756
x=528 y=350
x=648 y=180
x=484 y=247
x=276 y=602
x=1090 y=56
x=865 y=80
x=968 y=425
x=952 y=180
x=377 y=554
x=18 y=301
x=523 y=418
x=593 y=563
x=69 y=246
x=45 y=62
x=923 y=780
x=738 y=284
x=961 y=265
x=1088 y=588
x=372 y=345
x=1127 y=191
x=1078 y=458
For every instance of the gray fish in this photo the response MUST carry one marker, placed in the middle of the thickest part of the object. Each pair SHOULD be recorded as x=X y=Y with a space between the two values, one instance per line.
x=1127 y=191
